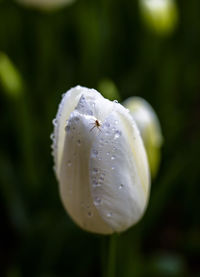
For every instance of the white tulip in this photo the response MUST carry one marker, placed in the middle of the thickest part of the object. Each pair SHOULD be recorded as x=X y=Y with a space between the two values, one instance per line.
x=45 y=4
x=149 y=126
x=100 y=162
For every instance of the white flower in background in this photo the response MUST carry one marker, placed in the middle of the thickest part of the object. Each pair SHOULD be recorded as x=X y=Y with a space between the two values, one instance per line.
x=159 y=15
x=149 y=126
x=100 y=162
x=45 y=4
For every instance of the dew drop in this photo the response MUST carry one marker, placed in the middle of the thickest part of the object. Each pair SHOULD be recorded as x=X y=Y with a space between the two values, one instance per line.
x=67 y=128
x=112 y=168
x=96 y=184
x=117 y=134
x=79 y=142
x=113 y=157
x=121 y=186
x=95 y=170
x=89 y=214
x=101 y=178
x=97 y=201
x=69 y=163
x=54 y=121
x=116 y=122
x=109 y=214
x=52 y=136
x=94 y=153
x=108 y=153
x=115 y=101
x=107 y=124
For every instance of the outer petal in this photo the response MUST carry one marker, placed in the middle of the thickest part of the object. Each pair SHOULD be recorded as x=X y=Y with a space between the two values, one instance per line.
x=119 y=171
x=66 y=107
x=74 y=167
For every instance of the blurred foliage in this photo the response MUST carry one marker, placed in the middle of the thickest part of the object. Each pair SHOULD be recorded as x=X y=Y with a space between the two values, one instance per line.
x=86 y=43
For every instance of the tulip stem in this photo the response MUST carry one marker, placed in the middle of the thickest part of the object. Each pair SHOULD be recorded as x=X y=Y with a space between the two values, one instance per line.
x=111 y=256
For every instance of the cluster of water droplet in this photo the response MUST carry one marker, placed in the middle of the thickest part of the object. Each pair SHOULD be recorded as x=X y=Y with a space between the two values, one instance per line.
x=98 y=177
x=54 y=142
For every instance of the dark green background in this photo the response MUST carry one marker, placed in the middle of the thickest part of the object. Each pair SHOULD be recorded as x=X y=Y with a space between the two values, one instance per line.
x=82 y=44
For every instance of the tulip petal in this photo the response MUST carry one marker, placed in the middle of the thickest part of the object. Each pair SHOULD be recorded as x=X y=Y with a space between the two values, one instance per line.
x=66 y=107
x=119 y=171
x=74 y=172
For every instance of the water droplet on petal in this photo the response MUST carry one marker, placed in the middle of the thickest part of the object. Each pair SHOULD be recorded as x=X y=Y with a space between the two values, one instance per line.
x=97 y=201
x=54 y=121
x=113 y=157
x=115 y=101
x=109 y=214
x=95 y=170
x=107 y=124
x=112 y=167
x=79 y=142
x=89 y=214
x=117 y=134
x=67 y=128
x=101 y=178
x=96 y=184
x=116 y=122
x=52 y=136
x=69 y=163
x=121 y=186
x=89 y=112
x=94 y=153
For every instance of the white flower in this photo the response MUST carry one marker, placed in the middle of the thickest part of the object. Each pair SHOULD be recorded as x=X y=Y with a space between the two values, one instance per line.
x=149 y=126
x=100 y=162
x=45 y=4
x=159 y=15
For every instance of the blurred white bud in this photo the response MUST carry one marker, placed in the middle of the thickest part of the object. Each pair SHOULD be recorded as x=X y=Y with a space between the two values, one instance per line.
x=149 y=126
x=45 y=4
x=159 y=15
x=100 y=162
